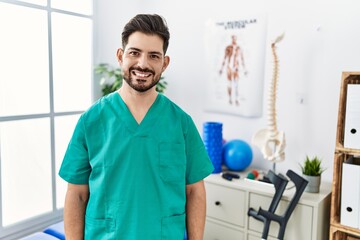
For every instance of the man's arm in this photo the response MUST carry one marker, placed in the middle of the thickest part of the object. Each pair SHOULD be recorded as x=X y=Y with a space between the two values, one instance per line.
x=195 y=210
x=74 y=211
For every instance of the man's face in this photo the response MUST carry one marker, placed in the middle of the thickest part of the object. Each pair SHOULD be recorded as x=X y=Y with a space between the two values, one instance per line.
x=143 y=61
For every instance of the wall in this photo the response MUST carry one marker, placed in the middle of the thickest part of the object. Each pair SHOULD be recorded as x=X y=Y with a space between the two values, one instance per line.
x=321 y=40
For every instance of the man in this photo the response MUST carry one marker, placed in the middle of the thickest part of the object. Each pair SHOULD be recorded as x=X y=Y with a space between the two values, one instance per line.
x=135 y=164
x=231 y=59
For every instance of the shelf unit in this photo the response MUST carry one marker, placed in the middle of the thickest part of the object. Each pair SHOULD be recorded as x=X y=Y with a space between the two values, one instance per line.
x=337 y=230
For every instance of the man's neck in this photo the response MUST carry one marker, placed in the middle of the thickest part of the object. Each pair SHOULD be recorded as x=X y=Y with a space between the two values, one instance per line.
x=137 y=102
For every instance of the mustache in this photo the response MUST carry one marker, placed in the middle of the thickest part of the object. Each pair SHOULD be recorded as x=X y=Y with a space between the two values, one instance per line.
x=142 y=70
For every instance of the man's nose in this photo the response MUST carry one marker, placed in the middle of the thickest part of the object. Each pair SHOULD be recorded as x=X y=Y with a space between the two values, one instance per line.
x=143 y=61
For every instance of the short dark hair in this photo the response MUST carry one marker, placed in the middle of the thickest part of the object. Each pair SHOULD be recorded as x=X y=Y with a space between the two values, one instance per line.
x=148 y=24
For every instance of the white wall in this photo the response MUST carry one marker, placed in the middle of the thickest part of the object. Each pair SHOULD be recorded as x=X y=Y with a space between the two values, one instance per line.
x=321 y=40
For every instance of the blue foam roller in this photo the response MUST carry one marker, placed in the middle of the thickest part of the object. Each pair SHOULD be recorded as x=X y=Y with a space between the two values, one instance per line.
x=56 y=230
x=39 y=236
x=213 y=141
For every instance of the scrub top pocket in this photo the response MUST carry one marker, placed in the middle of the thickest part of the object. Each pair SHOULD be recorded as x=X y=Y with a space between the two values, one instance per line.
x=99 y=229
x=172 y=161
x=173 y=227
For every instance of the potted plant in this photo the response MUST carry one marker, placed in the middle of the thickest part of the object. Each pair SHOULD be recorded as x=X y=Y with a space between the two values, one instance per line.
x=112 y=78
x=312 y=170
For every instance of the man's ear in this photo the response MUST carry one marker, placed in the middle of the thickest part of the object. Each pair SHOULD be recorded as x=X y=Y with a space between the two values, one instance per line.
x=166 y=63
x=119 y=55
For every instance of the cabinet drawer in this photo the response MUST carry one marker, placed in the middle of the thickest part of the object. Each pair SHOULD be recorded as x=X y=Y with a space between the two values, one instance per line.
x=299 y=226
x=225 y=204
x=216 y=231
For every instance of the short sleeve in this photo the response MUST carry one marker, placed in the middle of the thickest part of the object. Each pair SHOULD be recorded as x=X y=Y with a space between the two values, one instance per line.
x=75 y=167
x=198 y=163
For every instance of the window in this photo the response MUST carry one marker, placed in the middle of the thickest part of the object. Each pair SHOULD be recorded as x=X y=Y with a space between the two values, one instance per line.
x=45 y=84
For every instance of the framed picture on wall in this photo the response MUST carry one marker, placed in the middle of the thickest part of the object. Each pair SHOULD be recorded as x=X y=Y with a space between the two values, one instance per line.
x=235 y=51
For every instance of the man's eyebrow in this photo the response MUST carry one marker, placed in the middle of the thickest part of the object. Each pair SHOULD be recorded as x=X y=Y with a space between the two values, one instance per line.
x=136 y=49
x=155 y=52
x=139 y=50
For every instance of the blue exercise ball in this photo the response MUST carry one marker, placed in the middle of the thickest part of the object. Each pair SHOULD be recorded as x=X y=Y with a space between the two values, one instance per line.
x=237 y=155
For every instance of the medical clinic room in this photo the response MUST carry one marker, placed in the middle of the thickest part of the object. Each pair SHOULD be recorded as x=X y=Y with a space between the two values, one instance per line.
x=179 y=120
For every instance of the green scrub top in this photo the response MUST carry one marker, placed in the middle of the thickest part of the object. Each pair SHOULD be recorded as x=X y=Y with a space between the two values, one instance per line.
x=137 y=173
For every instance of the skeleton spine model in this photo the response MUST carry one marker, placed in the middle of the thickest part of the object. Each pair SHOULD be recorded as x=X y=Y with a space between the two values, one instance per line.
x=272 y=124
x=270 y=141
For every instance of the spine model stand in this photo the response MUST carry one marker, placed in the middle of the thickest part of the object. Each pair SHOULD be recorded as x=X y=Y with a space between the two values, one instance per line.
x=270 y=141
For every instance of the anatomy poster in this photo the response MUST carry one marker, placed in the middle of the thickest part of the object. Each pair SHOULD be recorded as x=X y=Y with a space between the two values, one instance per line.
x=236 y=59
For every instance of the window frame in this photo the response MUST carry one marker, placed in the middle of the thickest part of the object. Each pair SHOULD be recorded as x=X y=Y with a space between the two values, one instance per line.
x=38 y=223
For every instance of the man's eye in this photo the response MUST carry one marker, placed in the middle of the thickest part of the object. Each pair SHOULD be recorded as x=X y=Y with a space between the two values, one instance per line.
x=154 y=56
x=133 y=53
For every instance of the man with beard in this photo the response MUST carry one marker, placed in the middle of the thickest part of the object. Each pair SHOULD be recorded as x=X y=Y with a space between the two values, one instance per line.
x=135 y=164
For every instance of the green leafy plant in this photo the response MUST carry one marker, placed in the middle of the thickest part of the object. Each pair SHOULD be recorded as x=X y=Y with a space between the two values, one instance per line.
x=112 y=79
x=312 y=166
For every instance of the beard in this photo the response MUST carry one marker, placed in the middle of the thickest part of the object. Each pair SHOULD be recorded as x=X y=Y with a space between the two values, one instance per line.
x=139 y=84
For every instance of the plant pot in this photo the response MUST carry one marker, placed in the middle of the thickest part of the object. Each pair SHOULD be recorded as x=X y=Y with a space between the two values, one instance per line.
x=313 y=185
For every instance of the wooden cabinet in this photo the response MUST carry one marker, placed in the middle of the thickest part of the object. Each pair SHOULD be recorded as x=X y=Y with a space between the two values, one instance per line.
x=337 y=230
x=228 y=203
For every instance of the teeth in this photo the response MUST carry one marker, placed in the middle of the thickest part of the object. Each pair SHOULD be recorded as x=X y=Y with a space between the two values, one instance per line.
x=139 y=74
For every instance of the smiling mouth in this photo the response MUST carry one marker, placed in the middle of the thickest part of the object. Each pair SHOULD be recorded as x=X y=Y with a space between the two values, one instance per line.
x=141 y=74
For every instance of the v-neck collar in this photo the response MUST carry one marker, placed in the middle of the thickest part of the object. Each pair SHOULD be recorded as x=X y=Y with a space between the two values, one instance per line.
x=147 y=122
